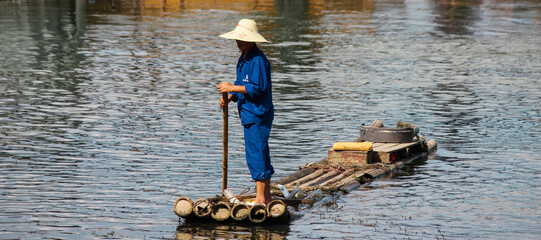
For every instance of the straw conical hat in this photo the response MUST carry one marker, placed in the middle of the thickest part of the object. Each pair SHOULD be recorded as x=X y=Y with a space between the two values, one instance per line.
x=246 y=30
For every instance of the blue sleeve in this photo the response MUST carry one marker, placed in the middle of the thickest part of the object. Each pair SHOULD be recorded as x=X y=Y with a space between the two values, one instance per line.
x=258 y=78
x=235 y=97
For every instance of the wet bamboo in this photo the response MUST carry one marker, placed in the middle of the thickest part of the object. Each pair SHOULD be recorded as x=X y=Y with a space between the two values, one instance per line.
x=183 y=207
x=431 y=145
x=252 y=195
x=277 y=210
x=225 y=140
x=309 y=201
x=327 y=189
x=220 y=211
x=306 y=178
x=294 y=176
x=348 y=187
x=258 y=213
x=347 y=180
x=375 y=172
x=338 y=177
x=202 y=208
x=309 y=168
x=320 y=178
x=239 y=212
x=386 y=169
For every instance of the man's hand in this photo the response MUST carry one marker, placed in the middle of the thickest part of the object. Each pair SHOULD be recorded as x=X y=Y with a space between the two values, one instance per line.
x=229 y=88
x=223 y=102
x=225 y=87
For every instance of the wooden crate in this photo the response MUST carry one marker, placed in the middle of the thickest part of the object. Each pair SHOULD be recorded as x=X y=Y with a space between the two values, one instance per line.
x=349 y=158
x=390 y=152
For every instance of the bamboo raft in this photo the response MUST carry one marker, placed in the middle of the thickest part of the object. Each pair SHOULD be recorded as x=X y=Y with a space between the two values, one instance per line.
x=347 y=166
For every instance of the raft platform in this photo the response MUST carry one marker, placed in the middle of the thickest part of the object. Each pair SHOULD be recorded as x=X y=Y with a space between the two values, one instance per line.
x=347 y=166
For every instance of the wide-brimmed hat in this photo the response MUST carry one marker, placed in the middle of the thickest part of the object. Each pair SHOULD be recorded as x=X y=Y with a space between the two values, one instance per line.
x=246 y=30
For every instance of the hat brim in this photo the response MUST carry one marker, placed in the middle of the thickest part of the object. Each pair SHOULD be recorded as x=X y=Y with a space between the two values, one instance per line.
x=251 y=37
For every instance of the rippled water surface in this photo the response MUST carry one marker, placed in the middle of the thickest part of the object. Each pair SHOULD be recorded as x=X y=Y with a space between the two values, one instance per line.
x=109 y=112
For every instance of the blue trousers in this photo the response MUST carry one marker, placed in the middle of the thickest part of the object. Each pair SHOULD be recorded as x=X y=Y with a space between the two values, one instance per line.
x=256 y=140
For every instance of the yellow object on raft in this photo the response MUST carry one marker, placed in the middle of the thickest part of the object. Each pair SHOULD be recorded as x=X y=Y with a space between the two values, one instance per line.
x=352 y=146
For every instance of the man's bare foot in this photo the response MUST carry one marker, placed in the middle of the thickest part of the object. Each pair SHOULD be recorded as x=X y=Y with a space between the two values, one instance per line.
x=263 y=195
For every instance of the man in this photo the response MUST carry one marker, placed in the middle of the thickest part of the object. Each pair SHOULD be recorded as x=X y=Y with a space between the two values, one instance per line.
x=253 y=93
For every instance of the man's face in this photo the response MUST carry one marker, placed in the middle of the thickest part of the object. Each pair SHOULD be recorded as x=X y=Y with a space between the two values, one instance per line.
x=244 y=46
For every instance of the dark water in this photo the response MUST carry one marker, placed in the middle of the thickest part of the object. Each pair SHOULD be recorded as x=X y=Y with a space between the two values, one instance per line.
x=108 y=113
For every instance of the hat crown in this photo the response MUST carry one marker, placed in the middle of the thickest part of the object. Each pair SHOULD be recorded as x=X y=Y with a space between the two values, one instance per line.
x=246 y=30
x=247 y=24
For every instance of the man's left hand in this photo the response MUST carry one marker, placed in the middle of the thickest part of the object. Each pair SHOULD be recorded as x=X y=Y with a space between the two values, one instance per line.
x=225 y=87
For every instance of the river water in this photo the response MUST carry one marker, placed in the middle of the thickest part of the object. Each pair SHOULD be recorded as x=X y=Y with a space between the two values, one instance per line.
x=109 y=112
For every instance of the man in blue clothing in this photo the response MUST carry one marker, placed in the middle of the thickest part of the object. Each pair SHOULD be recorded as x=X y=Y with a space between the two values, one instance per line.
x=253 y=93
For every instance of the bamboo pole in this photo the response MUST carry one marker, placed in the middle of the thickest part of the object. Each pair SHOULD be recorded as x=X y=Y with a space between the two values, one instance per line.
x=225 y=141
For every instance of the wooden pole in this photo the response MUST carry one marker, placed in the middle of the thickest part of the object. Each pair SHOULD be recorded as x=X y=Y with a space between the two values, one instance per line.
x=225 y=141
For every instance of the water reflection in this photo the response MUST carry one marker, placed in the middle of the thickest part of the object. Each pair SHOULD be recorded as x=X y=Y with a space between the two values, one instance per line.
x=160 y=7
x=42 y=91
x=318 y=7
x=231 y=231
x=457 y=16
x=271 y=7
x=459 y=108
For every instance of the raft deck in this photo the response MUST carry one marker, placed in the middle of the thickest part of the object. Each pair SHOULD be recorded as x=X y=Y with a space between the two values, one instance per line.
x=343 y=168
x=339 y=173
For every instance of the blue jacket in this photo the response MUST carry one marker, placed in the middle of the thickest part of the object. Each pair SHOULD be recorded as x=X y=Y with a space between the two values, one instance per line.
x=254 y=72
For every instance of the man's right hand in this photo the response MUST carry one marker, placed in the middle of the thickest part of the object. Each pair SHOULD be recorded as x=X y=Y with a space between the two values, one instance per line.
x=223 y=102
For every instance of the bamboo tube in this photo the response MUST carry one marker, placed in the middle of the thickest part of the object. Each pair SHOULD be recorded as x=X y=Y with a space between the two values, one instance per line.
x=301 y=173
x=239 y=212
x=294 y=176
x=277 y=209
x=202 y=208
x=258 y=213
x=252 y=195
x=431 y=145
x=320 y=178
x=298 y=201
x=328 y=189
x=346 y=180
x=375 y=173
x=183 y=207
x=377 y=124
x=220 y=211
x=348 y=187
x=306 y=178
x=395 y=166
x=338 y=177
